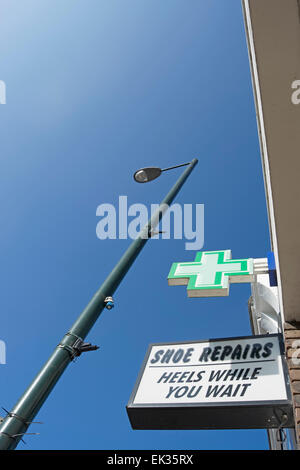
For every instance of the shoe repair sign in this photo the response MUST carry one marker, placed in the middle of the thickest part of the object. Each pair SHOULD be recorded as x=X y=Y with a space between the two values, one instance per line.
x=221 y=383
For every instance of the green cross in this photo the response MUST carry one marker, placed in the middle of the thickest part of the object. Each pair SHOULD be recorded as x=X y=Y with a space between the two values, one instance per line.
x=209 y=275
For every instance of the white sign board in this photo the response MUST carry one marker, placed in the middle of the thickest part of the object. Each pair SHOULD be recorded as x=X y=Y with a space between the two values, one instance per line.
x=221 y=373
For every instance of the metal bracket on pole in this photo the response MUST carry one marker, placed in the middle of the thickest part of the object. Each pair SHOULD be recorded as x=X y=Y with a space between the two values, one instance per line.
x=14 y=415
x=78 y=346
x=14 y=436
x=26 y=423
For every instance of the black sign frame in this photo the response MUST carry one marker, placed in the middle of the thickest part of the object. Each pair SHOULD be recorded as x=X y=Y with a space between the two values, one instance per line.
x=195 y=416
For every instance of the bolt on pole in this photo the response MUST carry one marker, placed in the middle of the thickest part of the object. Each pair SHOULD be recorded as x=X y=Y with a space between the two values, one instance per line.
x=20 y=417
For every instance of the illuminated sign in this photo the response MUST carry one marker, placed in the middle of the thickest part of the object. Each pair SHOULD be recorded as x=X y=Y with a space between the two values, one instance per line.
x=215 y=384
x=210 y=274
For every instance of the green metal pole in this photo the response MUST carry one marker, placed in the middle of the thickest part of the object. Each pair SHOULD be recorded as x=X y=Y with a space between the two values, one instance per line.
x=19 y=418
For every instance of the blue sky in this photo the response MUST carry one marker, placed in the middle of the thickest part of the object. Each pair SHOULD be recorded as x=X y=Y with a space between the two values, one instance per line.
x=95 y=90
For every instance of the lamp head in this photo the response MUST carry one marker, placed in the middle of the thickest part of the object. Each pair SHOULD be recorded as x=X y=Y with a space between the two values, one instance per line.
x=147 y=174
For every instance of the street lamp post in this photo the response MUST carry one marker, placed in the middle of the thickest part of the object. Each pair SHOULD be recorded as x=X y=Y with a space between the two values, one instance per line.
x=20 y=417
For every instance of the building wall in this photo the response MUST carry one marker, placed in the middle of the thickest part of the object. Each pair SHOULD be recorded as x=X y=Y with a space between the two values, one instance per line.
x=292 y=345
x=273 y=36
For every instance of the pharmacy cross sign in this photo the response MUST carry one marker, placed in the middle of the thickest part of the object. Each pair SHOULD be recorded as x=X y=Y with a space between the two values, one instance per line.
x=210 y=274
